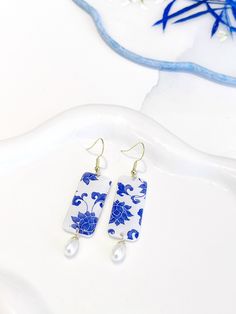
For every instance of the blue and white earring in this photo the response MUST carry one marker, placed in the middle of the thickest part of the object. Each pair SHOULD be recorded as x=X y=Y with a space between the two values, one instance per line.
x=127 y=210
x=86 y=206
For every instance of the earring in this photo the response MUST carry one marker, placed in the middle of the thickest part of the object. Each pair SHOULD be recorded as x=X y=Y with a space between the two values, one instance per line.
x=127 y=210
x=87 y=205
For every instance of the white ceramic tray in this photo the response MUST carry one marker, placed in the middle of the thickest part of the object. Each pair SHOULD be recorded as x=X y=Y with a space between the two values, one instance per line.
x=184 y=261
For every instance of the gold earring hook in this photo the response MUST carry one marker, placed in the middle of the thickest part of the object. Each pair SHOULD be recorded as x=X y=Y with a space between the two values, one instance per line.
x=134 y=169
x=97 y=166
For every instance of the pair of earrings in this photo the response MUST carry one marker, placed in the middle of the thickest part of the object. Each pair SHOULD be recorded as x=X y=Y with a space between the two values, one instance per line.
x=88 y=202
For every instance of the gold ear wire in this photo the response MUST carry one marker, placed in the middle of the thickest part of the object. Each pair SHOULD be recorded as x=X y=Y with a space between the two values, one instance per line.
x=134 y=169
x=97 y=166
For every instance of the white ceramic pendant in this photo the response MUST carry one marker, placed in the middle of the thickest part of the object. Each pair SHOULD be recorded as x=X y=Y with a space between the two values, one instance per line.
x=127 y=211
x=87 y=204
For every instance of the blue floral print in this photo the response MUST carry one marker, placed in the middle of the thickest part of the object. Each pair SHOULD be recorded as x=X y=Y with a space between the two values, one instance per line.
x=88 y=220
x=88 y=176
x=87 y=204
x=85 y=223
x=132 y=234
x=78 y=199
x=120 y=213
x=143 y=187
x=99 y=198
x=127 y=211
x=140 y=213
x=123 y=189
x=126 y=189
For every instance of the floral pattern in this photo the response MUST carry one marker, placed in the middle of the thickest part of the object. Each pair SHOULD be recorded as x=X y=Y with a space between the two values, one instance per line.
x=140 y=213
x=143 y=187
x=127 y=210
x=87 y=204
x=222 y=12
x=78 y=199
x=88 y=176
x=132 y=234
x=120 y=213
x=99 y=198
x=123 y=189
x=85 y=223
x=126 y=189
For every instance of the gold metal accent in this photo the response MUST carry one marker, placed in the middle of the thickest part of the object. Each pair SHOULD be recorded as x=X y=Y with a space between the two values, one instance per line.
x=97 y=166
x=75 y=237
x=134 y=169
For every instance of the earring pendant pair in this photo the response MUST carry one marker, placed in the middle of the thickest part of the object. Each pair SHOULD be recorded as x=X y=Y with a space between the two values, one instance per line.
x=88 y=202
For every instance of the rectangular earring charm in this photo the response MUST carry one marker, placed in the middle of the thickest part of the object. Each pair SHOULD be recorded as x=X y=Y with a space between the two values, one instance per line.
x=87 y=204
x=127 y=210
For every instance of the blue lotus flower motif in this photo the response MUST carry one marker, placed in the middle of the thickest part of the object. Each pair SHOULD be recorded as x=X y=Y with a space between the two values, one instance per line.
x=85 y=223
x=223 y=12
x=120 y=213
x=88 y=176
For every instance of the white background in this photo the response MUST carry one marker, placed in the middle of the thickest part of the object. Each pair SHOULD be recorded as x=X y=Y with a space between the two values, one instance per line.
x=52 y=59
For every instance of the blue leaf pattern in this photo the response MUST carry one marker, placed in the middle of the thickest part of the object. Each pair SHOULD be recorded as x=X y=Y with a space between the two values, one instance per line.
x=78 y=199
x=222 y=11
x=99 y=198
x=126 y=189
x=123 y=189
x=88 y=176
x=143 y=187
x=135 y=199
x=140 y=213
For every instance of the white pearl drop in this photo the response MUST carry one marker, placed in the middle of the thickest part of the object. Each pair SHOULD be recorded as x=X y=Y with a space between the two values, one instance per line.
x=72 y=247
x=119 y=252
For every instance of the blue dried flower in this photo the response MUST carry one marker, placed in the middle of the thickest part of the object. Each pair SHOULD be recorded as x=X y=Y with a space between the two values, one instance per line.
x=223 y=13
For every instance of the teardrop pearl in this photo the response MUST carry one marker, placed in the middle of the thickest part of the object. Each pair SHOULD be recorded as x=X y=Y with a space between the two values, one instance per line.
x=119 y=252
x=72 y=247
